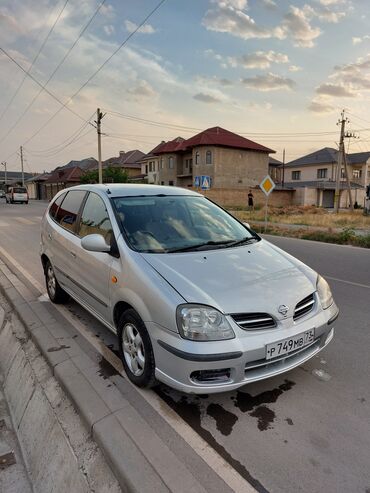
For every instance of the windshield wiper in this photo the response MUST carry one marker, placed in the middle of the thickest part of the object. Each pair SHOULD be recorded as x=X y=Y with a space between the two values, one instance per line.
x=201 y=245
x=243 y=241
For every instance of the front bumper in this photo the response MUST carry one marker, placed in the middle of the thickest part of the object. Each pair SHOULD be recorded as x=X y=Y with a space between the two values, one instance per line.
x=178 y=360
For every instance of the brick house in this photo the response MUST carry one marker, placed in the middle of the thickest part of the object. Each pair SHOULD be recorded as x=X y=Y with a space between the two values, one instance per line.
x=59 y=179
x=129 y=161
x=230 y=160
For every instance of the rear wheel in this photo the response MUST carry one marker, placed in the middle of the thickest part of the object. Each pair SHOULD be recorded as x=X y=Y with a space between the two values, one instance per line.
x=136 y=350
x=55 y=292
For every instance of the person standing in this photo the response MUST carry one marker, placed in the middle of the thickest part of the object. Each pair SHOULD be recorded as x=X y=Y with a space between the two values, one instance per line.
x=250 y=201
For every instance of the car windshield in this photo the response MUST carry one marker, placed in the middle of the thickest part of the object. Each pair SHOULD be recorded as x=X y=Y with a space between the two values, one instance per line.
x=19 y=190
x=169 y=224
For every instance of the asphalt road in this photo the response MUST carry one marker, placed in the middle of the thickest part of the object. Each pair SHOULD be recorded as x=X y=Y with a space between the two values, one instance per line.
x=305 y=431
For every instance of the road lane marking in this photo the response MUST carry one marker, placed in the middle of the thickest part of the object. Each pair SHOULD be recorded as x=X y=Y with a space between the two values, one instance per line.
x=348 y=282
x=220 y=466
x=24 y=220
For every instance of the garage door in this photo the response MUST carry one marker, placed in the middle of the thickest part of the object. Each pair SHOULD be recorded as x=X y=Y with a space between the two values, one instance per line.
x=328 y=198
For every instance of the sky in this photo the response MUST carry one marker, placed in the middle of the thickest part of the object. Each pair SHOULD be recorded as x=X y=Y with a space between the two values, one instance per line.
x=276 y=72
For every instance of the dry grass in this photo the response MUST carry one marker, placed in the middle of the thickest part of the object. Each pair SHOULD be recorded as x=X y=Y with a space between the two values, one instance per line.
x=346 y=237
x=308 y=216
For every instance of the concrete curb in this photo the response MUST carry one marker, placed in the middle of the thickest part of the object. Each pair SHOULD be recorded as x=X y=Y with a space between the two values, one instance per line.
x=43 y=420
x=140 y=460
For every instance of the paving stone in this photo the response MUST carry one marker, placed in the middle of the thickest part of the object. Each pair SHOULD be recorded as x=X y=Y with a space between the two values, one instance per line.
x=133 y=471
x=88 y=402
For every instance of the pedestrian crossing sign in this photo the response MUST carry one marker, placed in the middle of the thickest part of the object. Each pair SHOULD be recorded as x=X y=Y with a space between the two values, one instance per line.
x=267 y=185
x=206 y=182
x=197 y=181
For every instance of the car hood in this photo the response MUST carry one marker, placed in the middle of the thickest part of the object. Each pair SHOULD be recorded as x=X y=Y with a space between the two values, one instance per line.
x=254 y=278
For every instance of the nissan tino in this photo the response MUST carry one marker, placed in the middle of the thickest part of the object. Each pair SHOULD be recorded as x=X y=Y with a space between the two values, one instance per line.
x=197 y=299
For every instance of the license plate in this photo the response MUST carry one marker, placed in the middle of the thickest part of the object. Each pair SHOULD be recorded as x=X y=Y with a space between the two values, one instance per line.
x=290 y=344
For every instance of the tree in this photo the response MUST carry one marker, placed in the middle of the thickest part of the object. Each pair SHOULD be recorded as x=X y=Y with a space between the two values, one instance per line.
x=110 y=175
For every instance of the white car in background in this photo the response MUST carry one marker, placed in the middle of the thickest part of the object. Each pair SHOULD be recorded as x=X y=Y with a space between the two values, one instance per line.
x=16 y=194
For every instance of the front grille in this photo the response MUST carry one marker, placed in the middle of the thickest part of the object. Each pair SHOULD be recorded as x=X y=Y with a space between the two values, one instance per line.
x=304 y=306
x=251 y=321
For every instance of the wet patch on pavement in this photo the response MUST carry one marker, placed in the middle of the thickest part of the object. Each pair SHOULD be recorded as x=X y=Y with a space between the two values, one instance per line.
x=256 y=405
x=190 y=410
x=59 y=348
x=265 y=417
x=106 y=370
x=114 y=350
x=225 y=420
x=289 y=421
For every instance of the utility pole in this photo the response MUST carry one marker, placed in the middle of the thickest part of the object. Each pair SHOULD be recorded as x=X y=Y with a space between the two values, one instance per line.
x=5 y=173
x=283 y=179
x=99 y=117
x=348 y=135
x=22 y=166
x=340 y=157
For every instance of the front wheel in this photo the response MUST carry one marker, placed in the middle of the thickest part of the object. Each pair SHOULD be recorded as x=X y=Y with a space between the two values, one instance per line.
x=55 y=292
x=136 y=350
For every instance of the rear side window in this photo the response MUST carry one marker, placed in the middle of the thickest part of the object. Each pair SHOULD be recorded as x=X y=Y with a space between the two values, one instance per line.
x=19 y=190
x=55 y=205
x=95 y=218
x=68 y=210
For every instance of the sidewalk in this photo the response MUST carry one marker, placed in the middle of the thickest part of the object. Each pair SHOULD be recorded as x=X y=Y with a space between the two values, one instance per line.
x=143 y=450
x=13 y=474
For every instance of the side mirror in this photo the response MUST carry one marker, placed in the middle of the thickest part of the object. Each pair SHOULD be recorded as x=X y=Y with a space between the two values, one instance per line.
x=247 y=225
x=95 y=243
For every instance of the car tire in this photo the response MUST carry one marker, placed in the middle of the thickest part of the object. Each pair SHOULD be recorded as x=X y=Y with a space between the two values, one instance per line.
x=55 y=292
x=26 y=202
x=136 y=350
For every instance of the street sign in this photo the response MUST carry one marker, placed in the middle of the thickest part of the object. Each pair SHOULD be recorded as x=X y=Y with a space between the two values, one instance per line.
x=206 y=182
x=267 y=185
x=197 y=181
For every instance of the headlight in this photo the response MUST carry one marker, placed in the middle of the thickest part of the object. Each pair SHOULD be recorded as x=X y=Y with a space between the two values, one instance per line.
x=202 y=323
x=324 y=292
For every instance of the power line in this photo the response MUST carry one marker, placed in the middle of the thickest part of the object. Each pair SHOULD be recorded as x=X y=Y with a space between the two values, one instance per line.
x=64 y=105
x=75 y=134
x=194 y=129
x=39 y=84
x=55 y=70
x=34 y=60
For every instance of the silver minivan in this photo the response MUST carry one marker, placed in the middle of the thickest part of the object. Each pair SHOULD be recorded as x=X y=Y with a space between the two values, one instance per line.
x=197 y=299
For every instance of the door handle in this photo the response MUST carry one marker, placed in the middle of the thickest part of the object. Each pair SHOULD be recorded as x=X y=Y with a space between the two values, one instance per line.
x=50 y=236
x=73 y=254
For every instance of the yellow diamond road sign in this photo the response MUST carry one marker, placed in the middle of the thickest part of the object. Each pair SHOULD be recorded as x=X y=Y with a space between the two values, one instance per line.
x=267 y=185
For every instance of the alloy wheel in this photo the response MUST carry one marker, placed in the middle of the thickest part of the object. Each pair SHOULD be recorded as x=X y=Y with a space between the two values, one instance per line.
x=133 y=349
x=51 y=281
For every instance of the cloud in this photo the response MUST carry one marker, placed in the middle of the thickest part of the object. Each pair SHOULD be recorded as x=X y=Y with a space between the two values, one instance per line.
x=259 y=59
x=107 y=10
x=143 y=90
x=145 y=29
x=268 y=82
x=335 y=90
x=326 y=14
x=294 y=68
x=321 y=107
x=358 y=40
x=206 y=98
x=222 y=81
x=270 y=4
x=297 y=25
x=228 y=17
x=109 y=29
x=331 y=2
